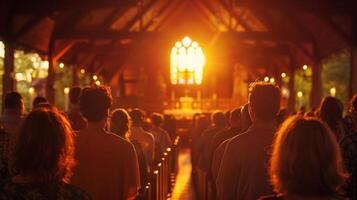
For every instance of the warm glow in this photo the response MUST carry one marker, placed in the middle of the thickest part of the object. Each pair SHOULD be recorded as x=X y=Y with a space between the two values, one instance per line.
x=266 y=79
x=304 y=67
x=66 y=90
x=299 y=94
x=97 y=82
x=283 y=75
x=83 y=71
x=95 y=77
x=272 y=80
x=31 y=90
x=333 y=91
x=61 y=65
x=187 y=62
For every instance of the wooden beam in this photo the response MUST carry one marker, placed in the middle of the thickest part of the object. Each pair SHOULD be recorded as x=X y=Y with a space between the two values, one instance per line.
x=212 y=11
x=29 y=7
x=63 y=51
x=159 y=13
x=139 y=15
x=236 y=17
x=33 y=22
x=113 y=34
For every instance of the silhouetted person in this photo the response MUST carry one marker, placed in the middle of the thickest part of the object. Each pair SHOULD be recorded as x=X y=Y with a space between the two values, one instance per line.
x=107 y=165
x=242 y=173
x=120 y=125
x=246 y=122
x=218 y=123
x=11 y=120
x=330 y=111
x=306 y=161
x=76 y=118
x=38 y=100
x=146 y=139
x=43 y=160
x=161 y=136
x=351 y=118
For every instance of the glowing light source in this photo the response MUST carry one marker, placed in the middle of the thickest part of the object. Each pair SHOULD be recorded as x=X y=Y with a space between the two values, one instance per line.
x=187 y=62
x=272 y=80
x=66 y=90
x=283 y=75
x=266 y=79
x=333 y=91
x=61 y=65
x=31 y=90
x=97 y=82
x=19 y=76
x=95 y=77
x=304 y=67
x=299 y=94
x=83 y=71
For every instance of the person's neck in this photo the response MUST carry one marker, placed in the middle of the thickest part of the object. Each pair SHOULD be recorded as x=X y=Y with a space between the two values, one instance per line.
x=96 y=125
x=263 y=123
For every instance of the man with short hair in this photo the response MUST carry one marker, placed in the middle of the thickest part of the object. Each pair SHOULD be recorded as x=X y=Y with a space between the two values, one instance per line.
x=107 y=165
x=160 y=135
x=144 y=138
x=243 y=171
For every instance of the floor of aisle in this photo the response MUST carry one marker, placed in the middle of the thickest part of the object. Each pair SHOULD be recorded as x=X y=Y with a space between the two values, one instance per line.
x=184 y=188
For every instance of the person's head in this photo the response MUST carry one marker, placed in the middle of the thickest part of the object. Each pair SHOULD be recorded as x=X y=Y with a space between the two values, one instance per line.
x=282 y=115
x=120 y=122
x=245 y=118
x=45 y=147
x=74 y=95
x=306 y=159
x=137 y=117
x=94 y=103
x=264 y=101
x=235 y=119
x=218 y=119
x=330 y=111
x=13 y=101
x=39 y=100
x=156 y=119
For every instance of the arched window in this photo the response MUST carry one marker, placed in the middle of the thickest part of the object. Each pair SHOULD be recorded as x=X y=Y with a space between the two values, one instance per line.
x=187 y=62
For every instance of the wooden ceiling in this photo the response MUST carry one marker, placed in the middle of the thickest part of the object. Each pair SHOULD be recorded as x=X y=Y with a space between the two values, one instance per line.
x=103 y=35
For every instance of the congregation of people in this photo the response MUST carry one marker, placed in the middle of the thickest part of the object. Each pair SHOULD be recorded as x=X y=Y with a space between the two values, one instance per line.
x=90 y=152
x=261 y=151
x=257 y=151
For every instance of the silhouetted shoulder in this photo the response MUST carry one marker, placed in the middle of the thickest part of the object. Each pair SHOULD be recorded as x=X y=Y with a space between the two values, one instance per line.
x=271 y=197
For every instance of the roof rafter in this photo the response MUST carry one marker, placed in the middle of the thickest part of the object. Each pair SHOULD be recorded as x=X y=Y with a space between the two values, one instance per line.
x=236 y=17
x=139 y=15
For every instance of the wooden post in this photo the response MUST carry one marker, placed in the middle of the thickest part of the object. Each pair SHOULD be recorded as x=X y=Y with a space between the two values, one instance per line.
x=353 y=74
x=8 y=76
x=50 y=90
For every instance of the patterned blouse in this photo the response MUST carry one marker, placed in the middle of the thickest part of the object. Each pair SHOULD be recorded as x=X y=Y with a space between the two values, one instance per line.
x=42 y=191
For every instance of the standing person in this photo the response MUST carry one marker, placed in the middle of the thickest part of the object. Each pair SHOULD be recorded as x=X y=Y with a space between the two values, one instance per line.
x=107 y=165
x=146 y=139
x=76 y=118
x=331 y=111
x=11 y=120
x=39 y=100
x=243 y=174
x=43 y=160
x=312 y=172
x=161 y=136
x=218 y=123
x=120 y=125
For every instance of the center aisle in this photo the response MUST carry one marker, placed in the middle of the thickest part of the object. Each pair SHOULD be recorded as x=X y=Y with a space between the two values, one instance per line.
x=184 y=188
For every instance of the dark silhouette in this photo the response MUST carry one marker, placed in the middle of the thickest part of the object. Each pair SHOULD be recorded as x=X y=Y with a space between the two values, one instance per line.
x=38 y=100
x=312 y=172
x=242 y=174
x=43 y=159
x=77 y=120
